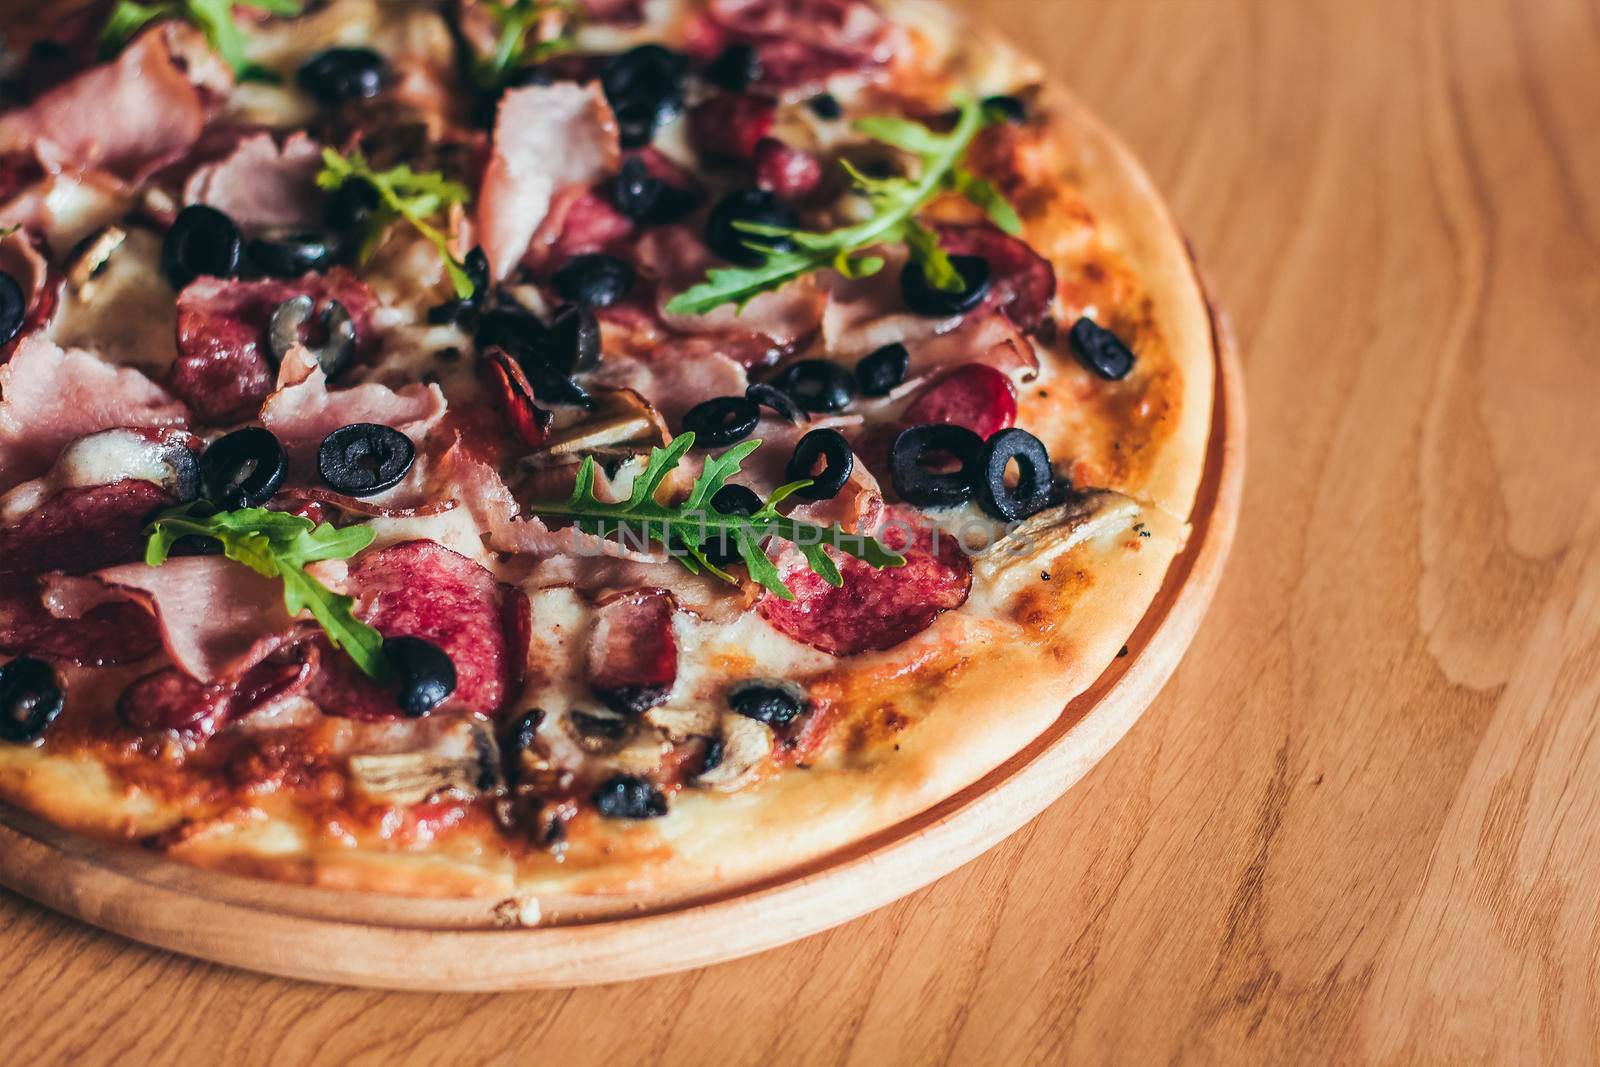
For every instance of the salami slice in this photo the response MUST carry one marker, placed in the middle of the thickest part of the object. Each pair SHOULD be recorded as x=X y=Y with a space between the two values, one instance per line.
x=801 y=43
x=76 y=531
x=974 y=395
x=224 y=370
x=168 y=699
x=1023 y=283
x=422 y=589
x=875 y=609
x=633 y=655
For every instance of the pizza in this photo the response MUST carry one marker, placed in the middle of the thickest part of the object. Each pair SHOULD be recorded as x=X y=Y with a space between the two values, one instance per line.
x=513 y=448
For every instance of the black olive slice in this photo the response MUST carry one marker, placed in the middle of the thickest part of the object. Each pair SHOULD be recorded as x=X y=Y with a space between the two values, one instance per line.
x=340 y=74
x=735 y=68
x=571 y=344
x=425 y=674
x=30 y=699
x=243 y=469
x=721 y=421
x=1100 y=350
x=364 y=458
x=1006 y=108
x=775 y=399
x=880 y=371
x=825 y=106
x=817 y=385
x=333 y=352
x=594 y=279
x=625 y=796
x=647 y=199
x=747 y=205
x=1035 y=480
x=719 y=547
x=289 y=256
x=922 y=297
x=201 y=241
x=13 y=308
x=350 y=207
x=512 y=328
x=768 y=700
x=644 y=87
x=911 y=473
x=830 y=447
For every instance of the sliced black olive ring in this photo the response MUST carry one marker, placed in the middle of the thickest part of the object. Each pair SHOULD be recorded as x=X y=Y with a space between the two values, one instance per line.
x=721 y=420
x=922 y=297
x=817 y=385
x=881 y=370
x=768 y=700
x=1035 y=480
x=30 y=699
x=1100 y=350
x=912 y=476
x=288 y=256
x=748 y=205
x=243 y=469
x=364 y=458
x=201 y=241
x=594 y=279
x=13 y=308
x=625 y=796
x=338 y=346
x=830 y=447
x=340 y=74
x=425 y=674
x=571 y=344
x=644 y=87
x=770 y=396
x=720 y=548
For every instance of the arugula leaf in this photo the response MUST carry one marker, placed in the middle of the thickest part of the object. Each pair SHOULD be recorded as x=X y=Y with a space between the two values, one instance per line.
x=214 y=17
x=685 y=528
x=894 y=202
x=276 y=544
x=405 y=194
x=518 y=44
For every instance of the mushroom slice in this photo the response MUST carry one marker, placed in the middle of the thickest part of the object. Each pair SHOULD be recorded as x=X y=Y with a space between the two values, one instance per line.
x=746 y=744
x=91 y=254
x=621 y=418
x=412 y=777
x=599 y=732
x=680 y=724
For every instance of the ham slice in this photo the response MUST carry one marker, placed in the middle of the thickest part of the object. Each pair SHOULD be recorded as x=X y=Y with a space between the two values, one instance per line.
x=145 y=108
x=677 y=258
x=217 y=618
x=525 y=175
x=50 y=397
x=262 y=186
x=675 y=383
x=303 y=410
x=801 y=42
x=633 y=656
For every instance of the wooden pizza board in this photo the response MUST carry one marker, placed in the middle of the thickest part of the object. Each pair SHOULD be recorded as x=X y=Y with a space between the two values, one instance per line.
x=417 y=944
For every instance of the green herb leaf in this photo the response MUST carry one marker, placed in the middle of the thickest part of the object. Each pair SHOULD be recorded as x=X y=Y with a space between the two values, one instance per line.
x=276 y=544
x=685 y=527
x=518 y=45
x=214 y=17
x=894 y=202
x=405 y=194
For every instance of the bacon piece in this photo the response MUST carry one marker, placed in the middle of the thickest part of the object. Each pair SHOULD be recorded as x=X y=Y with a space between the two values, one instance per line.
x=168 y=699
x=864 y=314
x=1022 y=282
x=76 y=530
x=422 y=589
x=217 y=618
x=727 y=127
x=524 y=175
x=988 y=339
x=801 y=42
x=146 y=107
x=633 y=656
x=261 y=186
x=327 y=498
x=675 y=383
x=49 y=398
x=223 y=368
x=590 y=223
x=302 y=410
x=875 y=609
x=974 y=395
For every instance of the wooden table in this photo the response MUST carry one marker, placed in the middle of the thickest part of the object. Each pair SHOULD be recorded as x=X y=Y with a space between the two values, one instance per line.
x=1361 y=822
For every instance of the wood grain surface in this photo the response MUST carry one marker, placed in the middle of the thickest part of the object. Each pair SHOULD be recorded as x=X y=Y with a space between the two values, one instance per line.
x=1360 y=823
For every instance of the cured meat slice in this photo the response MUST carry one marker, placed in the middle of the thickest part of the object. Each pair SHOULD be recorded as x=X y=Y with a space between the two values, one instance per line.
x=633 y=656
x=49 y=398
x=146 y=107
x=974 y=395
x=1022 y=282
x=422 y=589
x=217 y=619
x=303 y=410
x=801 y=42
x=75 y=531
x=874 y=609
x=262 y=186
x=524 y=176
x=223 y=368
x=168 y=699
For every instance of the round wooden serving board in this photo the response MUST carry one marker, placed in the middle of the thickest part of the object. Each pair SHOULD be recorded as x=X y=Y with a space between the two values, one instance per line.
x=418 y=944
